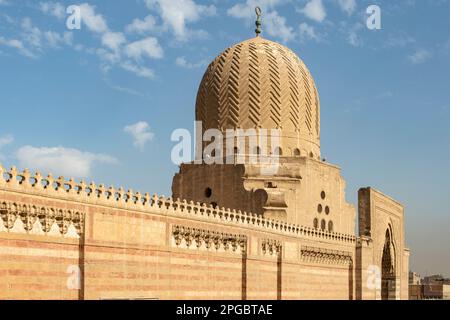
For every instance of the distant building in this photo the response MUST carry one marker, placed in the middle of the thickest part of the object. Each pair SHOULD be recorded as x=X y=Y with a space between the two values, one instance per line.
x=414 y=278
x=436 y=279
x=436 y=291
x=434 y=287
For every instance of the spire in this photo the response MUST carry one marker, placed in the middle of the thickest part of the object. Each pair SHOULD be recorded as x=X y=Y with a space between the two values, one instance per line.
x=258 y=21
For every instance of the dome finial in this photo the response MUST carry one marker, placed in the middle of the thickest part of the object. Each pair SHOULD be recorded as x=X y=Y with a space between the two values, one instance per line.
x=258 y=21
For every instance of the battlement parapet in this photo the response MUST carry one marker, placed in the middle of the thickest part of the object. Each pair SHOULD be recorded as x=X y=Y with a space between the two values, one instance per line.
x=92 y=194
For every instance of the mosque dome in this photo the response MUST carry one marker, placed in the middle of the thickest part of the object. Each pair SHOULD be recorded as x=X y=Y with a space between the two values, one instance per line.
x=261 y=84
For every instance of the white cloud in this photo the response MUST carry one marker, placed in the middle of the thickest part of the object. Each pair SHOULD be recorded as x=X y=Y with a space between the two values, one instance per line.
x=115 y=45
x=113 y=51
x=308 y=32
x=274 y=24
x=95 y=22
x=54 y=39
x=314 y=10
x=32 y=34
x=398 y=39
x=61 y=161
x=247 y=10
x=420 y=56
x=5 y=140
x=55 y=9
x=351 y=33
x=113 y=40
x=142 y=26
x=354 y=39
x=148 y=47
x=182 y=62
x=276 y=27
x=138 y=70
x=17 y=44
x=175 y=14
x=7 y=18
x=108 y=57
x=141 y=134
x=347 y=6
x=33 y=40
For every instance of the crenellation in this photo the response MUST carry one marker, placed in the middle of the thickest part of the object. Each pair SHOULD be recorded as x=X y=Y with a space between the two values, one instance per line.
x=97 y=194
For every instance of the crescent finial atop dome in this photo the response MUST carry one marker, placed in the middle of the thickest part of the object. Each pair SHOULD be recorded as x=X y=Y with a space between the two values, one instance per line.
x=258 y=12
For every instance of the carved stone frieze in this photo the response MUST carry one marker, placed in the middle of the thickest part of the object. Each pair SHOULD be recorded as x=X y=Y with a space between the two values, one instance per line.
x=196 y=238
x=321 y=255
x=25 y=218
x=271 y=247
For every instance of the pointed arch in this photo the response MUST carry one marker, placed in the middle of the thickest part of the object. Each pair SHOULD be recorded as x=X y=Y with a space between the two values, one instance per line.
x=388 y=266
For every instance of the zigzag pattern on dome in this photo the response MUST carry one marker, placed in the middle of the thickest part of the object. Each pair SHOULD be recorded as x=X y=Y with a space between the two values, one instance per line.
x=259 y=83
x=92 y=194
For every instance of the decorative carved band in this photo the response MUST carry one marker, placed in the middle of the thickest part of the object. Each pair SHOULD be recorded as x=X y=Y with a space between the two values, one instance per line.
x=25 y=218
x=271 y=247
x=321 y=255
x=211 y=239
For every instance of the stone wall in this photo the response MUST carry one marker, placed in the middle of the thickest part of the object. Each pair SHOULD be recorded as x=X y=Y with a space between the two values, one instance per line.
x=379 y=215
x=126 y=245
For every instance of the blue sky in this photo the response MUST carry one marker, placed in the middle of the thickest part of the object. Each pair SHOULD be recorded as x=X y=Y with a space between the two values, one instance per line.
x=101 y=102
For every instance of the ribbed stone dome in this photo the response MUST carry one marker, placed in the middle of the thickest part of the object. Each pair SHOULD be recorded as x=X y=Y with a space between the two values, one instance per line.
x=262 y=84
